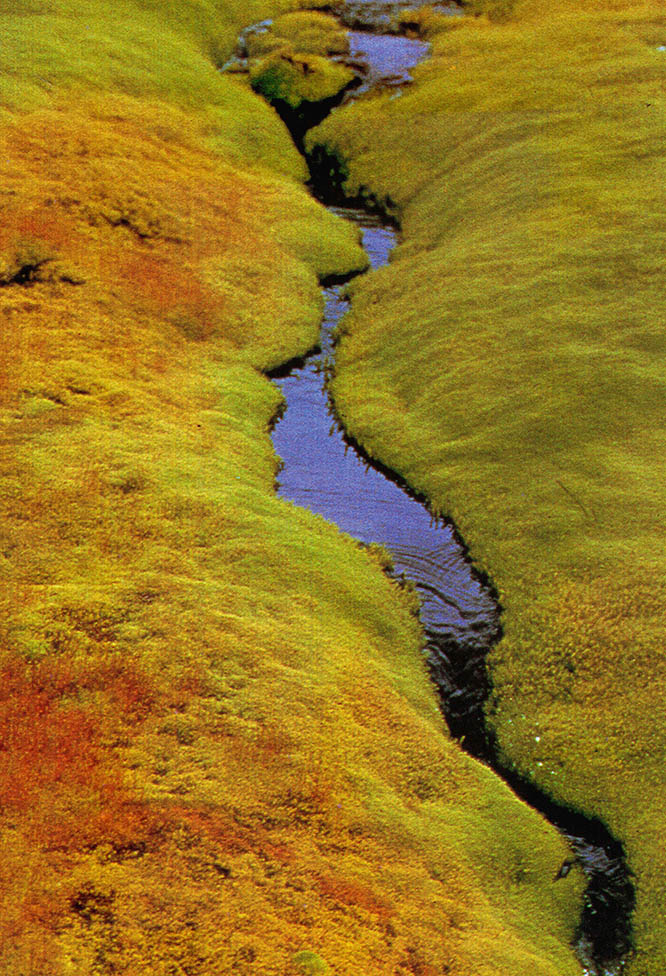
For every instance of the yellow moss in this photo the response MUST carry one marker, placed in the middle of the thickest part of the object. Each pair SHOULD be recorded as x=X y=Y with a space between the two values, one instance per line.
x=220 y=746
x=514 y=344
x=296 y=78
x=311 y=33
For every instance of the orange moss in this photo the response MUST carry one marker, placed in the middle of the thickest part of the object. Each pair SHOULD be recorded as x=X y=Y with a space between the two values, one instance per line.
x=46 y=746
x=44 y=223
x=149 y=242
x=354 y=894
x=173 y=290
x=57 y=770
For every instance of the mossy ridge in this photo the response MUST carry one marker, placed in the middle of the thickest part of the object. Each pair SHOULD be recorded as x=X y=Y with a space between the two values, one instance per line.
x=157 y=50
x=508 y=359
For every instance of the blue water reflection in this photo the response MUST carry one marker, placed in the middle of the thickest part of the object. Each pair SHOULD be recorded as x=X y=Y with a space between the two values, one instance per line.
x=323 y=473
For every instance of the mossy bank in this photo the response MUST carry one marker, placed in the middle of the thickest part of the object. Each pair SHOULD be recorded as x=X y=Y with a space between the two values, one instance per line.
x=508 y=365
x=220 y=749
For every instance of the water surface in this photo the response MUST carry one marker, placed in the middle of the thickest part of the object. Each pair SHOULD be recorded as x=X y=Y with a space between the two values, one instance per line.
x=324 y=473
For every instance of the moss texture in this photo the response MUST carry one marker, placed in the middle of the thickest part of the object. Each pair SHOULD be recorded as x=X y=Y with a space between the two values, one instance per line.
x=297 y=79
x=220 y=750
x=508 y=364
x=310 y=32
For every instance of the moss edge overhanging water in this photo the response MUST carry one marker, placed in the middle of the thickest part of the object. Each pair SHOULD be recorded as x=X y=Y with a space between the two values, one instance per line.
x=605 y=931
x=488 y=167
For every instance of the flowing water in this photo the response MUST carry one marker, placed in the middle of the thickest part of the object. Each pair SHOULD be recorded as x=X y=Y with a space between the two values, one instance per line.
x=330 y=475
x=325 y=473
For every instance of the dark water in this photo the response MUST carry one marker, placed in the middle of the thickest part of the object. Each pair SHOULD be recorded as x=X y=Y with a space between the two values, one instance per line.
x=327 y=474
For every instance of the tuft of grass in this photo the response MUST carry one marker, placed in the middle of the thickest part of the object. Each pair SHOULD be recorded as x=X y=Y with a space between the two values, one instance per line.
x=515 y=342
x=309 y=963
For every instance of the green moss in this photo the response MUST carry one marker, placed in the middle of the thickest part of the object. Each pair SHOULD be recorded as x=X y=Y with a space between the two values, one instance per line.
x=328 y=244
x=298 y=78
x=310 y=32
x=507 y=364
x=165 y=51
x=309 y=963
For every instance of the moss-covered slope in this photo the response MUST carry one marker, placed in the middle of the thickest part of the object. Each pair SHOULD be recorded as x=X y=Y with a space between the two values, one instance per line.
x=509 y=363
x=220 y=751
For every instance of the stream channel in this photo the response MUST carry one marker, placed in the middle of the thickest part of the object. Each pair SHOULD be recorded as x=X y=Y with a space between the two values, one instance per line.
x=328 y=473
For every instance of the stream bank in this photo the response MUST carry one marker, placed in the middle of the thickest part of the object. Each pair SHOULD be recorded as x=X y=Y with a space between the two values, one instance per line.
x=327 y=472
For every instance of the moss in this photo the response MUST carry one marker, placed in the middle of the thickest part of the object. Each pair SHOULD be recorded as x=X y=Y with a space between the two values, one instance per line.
x=309 y=963
x=25 y=262
x=219 y=740
x=495 y=10
x=296 y=79
x=514 y=341
x=305 y=33
x=421 y=22
x=311 y=33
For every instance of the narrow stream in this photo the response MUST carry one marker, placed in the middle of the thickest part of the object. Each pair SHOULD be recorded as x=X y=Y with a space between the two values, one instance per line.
x=329 y=474
x=324 y=472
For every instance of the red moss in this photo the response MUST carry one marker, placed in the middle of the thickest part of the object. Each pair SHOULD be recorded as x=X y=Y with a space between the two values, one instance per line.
x=56 y=769
x=354 y=894
x=216 y=825
x=44 y=223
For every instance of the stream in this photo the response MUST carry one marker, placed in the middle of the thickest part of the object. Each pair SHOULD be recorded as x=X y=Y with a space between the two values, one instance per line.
x=326 y=472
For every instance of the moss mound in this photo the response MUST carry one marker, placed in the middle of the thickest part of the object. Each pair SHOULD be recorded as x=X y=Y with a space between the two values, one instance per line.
x=307 y=32
x=296 y=79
